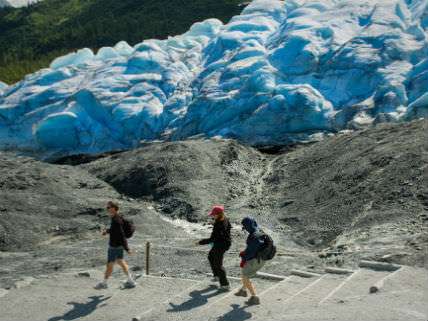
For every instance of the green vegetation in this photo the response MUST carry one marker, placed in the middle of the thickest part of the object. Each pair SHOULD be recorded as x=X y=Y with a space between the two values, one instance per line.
x=31 y=37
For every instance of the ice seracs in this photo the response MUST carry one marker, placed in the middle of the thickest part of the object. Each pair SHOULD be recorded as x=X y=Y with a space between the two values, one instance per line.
x=282 y=71
x=3 y=87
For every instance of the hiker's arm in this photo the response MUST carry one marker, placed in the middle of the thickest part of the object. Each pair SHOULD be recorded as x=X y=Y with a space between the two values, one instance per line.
x=205 y=241
x=212 y=238
x=208 y=240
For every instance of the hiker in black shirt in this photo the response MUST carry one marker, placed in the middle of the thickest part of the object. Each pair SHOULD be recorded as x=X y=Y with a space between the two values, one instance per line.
x=116 y=234
x=221 y=242
x=117 y=245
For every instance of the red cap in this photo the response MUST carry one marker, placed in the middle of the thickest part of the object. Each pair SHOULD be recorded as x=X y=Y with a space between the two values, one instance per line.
x=217 y=209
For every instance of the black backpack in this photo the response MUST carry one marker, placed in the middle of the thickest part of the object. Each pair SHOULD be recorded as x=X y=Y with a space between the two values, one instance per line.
x=128 y=227
x=268 y=250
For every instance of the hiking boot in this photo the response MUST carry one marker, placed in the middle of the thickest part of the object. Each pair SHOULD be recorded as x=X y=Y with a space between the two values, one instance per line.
x=101 y=286
x=215 y=279
x=224 y=288
x=254 y=300
x=129 y=284
x=242 y=293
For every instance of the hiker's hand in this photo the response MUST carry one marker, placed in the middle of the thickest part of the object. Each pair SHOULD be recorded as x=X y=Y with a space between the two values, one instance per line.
x=131 y=252
x=104 y=232
x=241 y=254
x=197 y=243
x=242 y=264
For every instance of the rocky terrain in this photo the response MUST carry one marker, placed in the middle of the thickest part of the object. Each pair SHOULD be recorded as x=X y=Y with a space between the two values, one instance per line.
x=341 y=191
x=359 y=195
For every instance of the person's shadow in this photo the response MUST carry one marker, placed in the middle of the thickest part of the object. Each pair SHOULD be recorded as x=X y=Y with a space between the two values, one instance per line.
x=197 y=299
x=236 y=314
x=81 y=310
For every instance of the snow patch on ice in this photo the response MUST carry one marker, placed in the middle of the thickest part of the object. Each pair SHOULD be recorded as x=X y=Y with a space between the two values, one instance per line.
x=78 y=58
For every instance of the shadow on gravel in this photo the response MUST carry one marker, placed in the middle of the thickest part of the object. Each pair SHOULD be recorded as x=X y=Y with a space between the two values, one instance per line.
x=81 y=310
x=197 y=299
x=236 y=314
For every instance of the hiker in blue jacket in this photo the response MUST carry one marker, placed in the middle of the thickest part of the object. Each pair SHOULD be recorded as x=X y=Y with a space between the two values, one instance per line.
x=250 y=263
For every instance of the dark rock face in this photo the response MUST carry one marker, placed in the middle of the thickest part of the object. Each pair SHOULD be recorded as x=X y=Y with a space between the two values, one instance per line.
x=352 y=183
x=184 y=178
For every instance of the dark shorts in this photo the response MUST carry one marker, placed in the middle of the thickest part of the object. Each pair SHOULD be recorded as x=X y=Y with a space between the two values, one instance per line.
x=114 y=253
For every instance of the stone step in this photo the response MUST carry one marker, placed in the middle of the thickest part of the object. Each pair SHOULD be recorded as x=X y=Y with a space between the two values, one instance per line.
x=232 y=307
x=273 y=298
x=67 y=297
x=344 y=298
x=402 y=299
x=379 y=266
x=315 y=294
x=327 y=298
x=289 y=296
x=202 y=303
x=356 y=284
x=407 y=279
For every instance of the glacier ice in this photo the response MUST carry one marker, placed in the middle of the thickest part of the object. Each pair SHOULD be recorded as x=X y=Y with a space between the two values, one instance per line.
x=3 y=87
x=280 y=72
x=419 y=108
x=80 y=57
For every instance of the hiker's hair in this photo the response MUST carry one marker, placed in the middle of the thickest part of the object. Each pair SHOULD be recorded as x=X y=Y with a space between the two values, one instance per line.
x=114 y=205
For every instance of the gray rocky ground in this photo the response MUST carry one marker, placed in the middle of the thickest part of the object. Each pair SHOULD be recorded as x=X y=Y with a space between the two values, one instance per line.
x=355 y=195
x=70 y=296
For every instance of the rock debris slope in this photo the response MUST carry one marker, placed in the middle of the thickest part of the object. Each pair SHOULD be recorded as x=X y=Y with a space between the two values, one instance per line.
x=367 y=189
x=365 y=192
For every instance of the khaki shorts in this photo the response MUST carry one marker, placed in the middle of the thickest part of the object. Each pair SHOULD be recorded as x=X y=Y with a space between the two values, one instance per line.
x=251 y=268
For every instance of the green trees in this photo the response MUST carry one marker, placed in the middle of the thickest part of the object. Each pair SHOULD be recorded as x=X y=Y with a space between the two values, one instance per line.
x=31 y=37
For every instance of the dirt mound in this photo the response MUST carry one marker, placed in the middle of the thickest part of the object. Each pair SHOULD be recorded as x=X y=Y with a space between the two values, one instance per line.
x=365 y=188
x=184 y=178
x=40 y=201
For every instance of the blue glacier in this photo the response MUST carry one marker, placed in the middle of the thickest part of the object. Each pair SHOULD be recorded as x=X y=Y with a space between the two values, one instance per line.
x=2 y=87
x=281 y=72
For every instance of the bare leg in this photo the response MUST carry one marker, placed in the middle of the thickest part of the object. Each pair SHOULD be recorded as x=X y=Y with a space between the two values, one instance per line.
x=247 y=284
x=124 y=266
x=109 y=270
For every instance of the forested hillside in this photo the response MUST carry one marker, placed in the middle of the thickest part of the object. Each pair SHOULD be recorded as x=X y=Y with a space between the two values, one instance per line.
x=31 y=37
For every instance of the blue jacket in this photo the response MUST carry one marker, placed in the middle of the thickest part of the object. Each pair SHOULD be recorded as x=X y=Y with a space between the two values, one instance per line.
x=254 y=243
